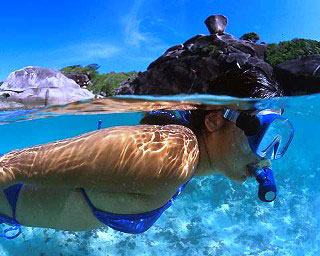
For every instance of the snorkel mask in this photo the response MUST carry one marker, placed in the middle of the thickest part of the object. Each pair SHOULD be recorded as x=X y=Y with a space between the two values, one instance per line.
x=269 y=136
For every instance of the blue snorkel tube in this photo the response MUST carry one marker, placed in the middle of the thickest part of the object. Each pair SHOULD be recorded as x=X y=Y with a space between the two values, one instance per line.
x=256 y=128
x=267 y=186
x=269 y=136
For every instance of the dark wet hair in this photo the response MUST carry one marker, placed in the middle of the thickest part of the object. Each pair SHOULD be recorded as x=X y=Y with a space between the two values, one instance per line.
x=237 y=82
x=246 y=83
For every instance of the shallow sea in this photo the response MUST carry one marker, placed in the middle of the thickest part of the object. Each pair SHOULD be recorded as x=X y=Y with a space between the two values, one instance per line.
x=213 y=216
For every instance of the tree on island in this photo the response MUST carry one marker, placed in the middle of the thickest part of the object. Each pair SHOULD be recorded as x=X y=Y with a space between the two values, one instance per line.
x=252 y=36
x=104 y=83
x=290 y=50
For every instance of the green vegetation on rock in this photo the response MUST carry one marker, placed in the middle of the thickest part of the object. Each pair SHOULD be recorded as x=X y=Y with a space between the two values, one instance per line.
x=211 y=50
x=252 y=36
x=90 y=70
x=104 y=83
x=289 y=50
x=107 y=83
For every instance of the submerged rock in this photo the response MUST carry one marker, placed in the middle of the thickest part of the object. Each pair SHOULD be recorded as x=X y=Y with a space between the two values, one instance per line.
x=36 y=87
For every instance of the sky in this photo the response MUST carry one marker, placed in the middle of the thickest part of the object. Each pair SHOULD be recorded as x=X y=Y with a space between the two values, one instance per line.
x=129 y=34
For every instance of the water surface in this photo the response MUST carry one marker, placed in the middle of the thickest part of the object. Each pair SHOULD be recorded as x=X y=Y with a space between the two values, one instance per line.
x=213 y=216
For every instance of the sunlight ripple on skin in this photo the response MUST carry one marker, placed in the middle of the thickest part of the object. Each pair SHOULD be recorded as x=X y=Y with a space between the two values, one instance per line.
x=175 y=148
x=153 y=142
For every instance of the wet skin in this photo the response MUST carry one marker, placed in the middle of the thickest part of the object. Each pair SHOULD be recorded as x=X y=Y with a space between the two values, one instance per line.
x=225 y=150
x=123 y=170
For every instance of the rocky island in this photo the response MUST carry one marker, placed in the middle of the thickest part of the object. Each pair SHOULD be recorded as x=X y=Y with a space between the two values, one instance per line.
x=196 y=66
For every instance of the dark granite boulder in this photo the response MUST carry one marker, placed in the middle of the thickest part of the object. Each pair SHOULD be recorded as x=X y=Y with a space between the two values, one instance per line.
x=300 y=76
x=216 y=24
x=199 y=66
x=81 y=79
x=195 y=65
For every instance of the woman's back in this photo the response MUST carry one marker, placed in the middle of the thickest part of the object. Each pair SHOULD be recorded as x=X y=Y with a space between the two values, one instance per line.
x=152 y=162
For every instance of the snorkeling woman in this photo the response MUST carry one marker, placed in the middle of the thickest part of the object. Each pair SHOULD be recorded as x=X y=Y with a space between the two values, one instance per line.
x=126 y=177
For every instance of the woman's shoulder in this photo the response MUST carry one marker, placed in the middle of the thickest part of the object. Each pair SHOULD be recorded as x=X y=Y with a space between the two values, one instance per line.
x=170 y=130
x=152 y=132
x=170 y=151
x=147 y=127
x=175 y=137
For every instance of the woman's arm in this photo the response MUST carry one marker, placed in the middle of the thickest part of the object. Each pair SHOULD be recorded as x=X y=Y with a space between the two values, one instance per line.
x=134 y=158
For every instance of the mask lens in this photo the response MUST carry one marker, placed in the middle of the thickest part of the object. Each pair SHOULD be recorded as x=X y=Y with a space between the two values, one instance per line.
x=276 y=139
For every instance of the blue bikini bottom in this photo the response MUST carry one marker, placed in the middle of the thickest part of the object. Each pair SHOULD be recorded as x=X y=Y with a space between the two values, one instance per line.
x=11 y=194
x=127 y=223
x=130 y=223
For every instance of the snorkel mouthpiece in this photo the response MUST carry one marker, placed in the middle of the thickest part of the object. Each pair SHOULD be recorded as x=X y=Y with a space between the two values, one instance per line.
x=267 y=186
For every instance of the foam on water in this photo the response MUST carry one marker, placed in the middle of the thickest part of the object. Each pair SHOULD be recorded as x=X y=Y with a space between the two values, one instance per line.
x=213 y=216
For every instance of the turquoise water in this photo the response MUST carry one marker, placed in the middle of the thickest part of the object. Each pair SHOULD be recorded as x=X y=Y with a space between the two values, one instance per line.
x=213 y=216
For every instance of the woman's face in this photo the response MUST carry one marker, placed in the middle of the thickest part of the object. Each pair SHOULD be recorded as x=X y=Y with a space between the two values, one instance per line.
x=230 y=152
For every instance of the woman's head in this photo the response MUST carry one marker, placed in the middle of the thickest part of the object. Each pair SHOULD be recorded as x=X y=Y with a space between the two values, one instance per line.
x=225 y=147
x=224 y=144
x=238 y=82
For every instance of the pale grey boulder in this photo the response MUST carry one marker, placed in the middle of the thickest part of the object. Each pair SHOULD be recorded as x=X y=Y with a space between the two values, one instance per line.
x=36 y=87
